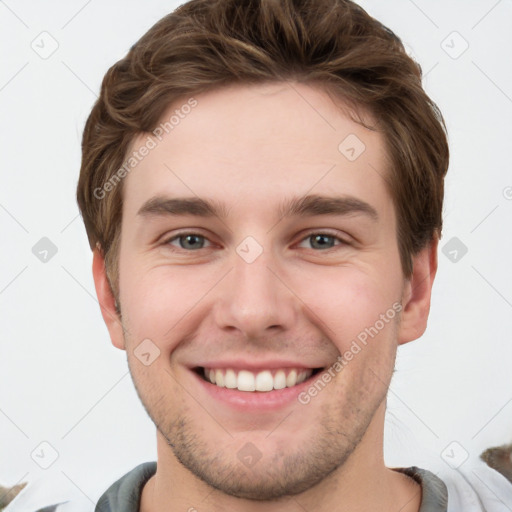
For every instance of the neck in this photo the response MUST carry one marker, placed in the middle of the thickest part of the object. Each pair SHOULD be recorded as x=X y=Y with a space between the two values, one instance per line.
x=362 y=483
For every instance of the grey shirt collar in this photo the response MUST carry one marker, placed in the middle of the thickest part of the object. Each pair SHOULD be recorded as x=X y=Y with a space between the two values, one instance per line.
x=124 y=494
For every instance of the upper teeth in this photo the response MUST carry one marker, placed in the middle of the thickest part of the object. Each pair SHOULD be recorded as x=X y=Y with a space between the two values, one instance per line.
x=265 y=380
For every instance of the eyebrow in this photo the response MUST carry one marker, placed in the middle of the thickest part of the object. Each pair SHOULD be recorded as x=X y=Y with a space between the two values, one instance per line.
x=310 y=205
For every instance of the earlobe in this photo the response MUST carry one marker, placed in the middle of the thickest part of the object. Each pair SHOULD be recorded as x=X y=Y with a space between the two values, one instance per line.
x=106 y=300
x=417 y=294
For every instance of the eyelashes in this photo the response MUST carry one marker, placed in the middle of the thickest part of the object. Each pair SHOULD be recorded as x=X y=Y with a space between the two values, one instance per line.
x=313 y=237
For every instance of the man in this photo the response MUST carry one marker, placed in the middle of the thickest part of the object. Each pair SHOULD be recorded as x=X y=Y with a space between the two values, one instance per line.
x=262 y=187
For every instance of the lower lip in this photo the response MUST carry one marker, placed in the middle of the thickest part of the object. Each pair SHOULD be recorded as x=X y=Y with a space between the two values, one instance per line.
x=256 y=400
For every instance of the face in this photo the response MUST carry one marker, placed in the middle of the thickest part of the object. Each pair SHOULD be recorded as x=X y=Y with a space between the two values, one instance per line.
x=291 y=267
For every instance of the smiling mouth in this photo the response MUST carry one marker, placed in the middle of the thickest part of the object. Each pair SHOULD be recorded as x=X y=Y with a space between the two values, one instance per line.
x=260 y=381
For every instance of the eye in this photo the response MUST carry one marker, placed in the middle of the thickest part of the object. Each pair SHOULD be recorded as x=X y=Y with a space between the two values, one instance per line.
x=194 y=241
x=323 y=241
x=191 y=241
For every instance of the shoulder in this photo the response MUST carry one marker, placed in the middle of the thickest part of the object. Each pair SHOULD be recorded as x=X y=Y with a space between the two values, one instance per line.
x=56 y=493
x=124 y=494
x=475 y=487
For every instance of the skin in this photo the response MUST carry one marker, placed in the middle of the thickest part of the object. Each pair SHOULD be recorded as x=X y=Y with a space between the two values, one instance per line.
x=294 y=301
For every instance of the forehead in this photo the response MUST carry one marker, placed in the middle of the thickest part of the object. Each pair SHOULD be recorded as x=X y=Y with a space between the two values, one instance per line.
x=252 y=145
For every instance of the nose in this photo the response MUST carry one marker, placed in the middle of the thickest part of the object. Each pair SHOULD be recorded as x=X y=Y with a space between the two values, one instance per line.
x=255 y=298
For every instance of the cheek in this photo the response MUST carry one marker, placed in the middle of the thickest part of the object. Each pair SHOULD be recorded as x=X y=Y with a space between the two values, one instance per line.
x=351 y=305
x=155 y=300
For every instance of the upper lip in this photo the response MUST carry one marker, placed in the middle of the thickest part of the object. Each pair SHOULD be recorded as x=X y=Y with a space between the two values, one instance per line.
x=243 y=364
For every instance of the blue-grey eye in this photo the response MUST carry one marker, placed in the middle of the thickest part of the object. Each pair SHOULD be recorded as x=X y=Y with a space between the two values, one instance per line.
x=322 y=241
x=190 y=241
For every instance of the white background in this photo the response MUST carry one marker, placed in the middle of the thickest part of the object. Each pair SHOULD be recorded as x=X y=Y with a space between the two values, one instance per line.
x=61 y=379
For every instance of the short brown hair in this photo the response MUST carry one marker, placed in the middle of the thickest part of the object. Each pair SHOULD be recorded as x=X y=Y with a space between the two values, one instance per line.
x=206 y=44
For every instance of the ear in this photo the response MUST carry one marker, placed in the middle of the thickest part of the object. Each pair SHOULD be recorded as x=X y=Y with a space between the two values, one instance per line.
x=417 y=293
x=107 y=300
